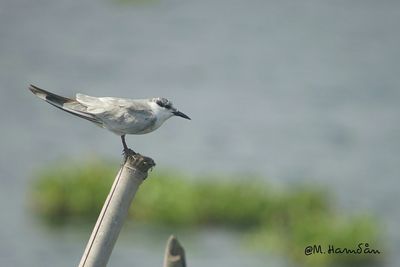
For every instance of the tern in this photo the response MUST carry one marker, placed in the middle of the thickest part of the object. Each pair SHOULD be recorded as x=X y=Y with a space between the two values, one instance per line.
x=121 y=116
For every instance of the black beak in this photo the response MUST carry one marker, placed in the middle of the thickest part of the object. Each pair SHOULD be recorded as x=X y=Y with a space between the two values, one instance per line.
x=180 y=114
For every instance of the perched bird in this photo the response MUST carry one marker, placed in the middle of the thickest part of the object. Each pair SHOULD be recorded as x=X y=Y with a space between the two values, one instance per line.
x=119 y=115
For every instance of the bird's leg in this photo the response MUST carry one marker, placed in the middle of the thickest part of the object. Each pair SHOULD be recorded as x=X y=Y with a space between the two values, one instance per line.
x=127 y=150
x=124 y=143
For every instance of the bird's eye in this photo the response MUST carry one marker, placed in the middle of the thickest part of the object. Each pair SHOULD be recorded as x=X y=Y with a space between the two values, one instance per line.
x=160 y=103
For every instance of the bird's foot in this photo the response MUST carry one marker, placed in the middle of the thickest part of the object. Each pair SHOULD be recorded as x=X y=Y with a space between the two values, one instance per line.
x=128 y=152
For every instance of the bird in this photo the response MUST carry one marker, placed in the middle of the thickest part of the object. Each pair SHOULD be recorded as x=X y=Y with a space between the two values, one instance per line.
x=121 y=116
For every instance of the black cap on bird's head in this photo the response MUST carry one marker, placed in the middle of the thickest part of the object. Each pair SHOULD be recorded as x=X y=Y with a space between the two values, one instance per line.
x=166 y=104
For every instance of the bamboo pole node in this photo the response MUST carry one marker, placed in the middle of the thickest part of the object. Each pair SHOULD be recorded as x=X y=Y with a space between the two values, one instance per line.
x=138 y=162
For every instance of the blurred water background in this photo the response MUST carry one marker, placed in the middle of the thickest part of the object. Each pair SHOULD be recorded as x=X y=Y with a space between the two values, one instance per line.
x=292 y=91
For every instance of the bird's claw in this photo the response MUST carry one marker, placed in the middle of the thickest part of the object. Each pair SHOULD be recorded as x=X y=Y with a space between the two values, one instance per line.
x=128 y=152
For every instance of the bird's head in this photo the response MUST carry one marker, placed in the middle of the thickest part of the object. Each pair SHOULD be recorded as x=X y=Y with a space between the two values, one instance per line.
x=164 y=109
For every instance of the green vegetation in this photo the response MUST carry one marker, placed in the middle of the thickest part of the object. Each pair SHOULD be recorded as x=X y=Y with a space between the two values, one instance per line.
x=284 y=221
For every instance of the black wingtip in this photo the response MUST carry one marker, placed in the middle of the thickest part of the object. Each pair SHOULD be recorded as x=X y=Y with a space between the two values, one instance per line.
x=32 y=88
x=38 y=92
x=48 y=96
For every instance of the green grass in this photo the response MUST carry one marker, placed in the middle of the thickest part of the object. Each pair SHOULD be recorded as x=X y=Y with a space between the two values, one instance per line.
x=283 y=221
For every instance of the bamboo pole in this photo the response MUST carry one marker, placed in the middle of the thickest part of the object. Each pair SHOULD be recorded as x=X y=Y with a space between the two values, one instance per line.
x=174 y=253
x=115 y=209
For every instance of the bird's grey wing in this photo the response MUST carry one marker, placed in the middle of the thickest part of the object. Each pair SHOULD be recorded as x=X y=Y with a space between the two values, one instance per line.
x=94 y=105
x=120 y=115
x=98 y=105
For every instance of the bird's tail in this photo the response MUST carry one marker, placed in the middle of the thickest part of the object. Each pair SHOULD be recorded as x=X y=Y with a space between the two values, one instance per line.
x=67 y=104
